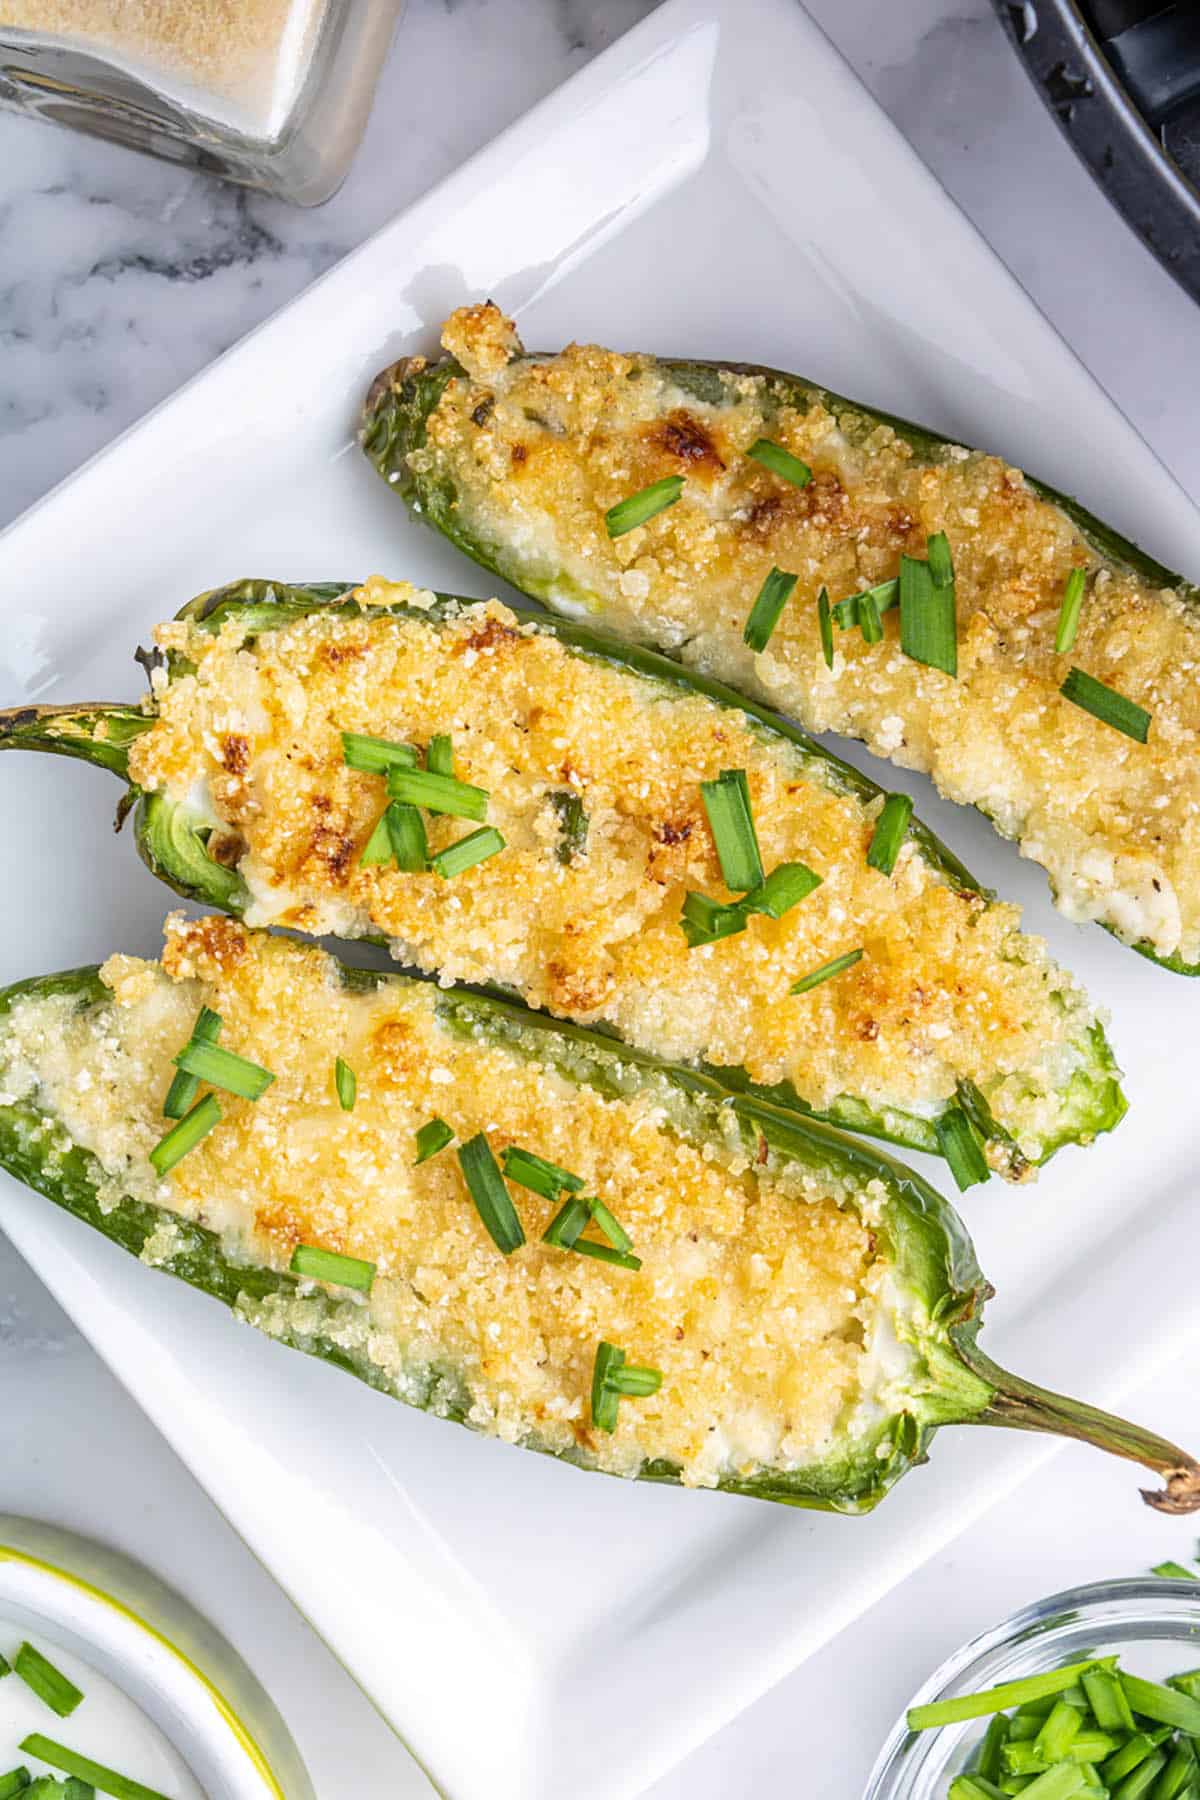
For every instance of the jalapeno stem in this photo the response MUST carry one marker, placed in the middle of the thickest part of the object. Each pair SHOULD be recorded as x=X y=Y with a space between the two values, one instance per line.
x=99 y=732
x=1026 y=1407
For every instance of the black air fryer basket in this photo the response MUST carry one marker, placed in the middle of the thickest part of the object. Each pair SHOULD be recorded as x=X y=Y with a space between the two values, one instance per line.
x=1122 y=77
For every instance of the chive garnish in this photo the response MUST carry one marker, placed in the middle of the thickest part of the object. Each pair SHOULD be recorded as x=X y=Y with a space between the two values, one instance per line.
x=378 y=847
x=538 y=1175
x=781 y=462
x=928 y=628
x=433 y=1136
x=406 y=834
x=941 y=565
x=825 y=972
x=621 y=1259
x=572 y=825
x=960 y=1147
x=705 y=921
x=568 y=1222
x=458 y=857
x=375 y=756
x=485 y=1184
x=825 y=627
x=613 y=1378
x=869 y=621
x=773 y=596
x=612 y=1229
x=186 y=1134
x=438 y=793
x=891 y=827
x=996 y=1699
x=183 y=1089
x=330 y=1265
x=14 y=1782
x=224 y=1069
x=884 y=595
x=727 y=803
x=639 y=508
x=98 y=1775
x=1068 y=618
x=785 y=887
x=1174 y=1571
x=50 y=1684
x=1105 y=704
x=439 y=758
x=346 y=1083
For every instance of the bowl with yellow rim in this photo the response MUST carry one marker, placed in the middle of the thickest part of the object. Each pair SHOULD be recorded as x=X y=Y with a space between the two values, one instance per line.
x=190 y=1692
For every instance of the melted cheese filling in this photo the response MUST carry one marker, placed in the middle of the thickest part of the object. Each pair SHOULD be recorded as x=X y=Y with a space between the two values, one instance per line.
x=759 y=1297
x=539 y=450
x=948 y=987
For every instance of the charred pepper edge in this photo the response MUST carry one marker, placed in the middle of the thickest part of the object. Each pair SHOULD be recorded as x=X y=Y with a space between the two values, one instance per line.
x=926 y=1242
x=403 y=395
x=172 y=849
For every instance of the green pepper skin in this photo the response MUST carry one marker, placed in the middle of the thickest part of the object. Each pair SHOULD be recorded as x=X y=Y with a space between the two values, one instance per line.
x=173 y=849
x=402 y=397
x=940 y=1287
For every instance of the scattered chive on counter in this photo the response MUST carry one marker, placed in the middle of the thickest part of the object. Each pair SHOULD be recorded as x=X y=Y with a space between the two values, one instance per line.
x=639 y=508
x=1087 y=1729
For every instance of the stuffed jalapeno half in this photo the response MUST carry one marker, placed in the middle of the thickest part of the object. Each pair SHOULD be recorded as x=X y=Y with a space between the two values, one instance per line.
x=517 y=1224
x=338 y=764
x=958 y=616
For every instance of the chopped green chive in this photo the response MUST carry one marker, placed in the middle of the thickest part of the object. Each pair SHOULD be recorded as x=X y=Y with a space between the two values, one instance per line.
x=476 y=847
x=183 y=1089
x=378 y=847
x=1107 y=1699
x=567 y=1224
x=612 y=1379
x=1187 y=1683
x=988 y=1761
x=960 y=1147
x=781 y=462
x=572 y=825
x=727 y=803
x=438 y=793
x=974 y=1787
x=826 y=972
x=773 y=596
x=928 y=628
x=48 y=1683
x=1174 y=1571
x=705 y=921
x=538 y=1175
x=941 y=565
x=439 y=758
x=996 y=1699
x=185 y=1135
x=14 y=1782
x=1105 y=704
x=869 y=621
x=622 y=1259
x=1059 y=1731
x=406 y=834
x=639 y=508
x=346 y=1083
x=1068 y=618
x=375 y=756
x=433 y=1136
x=825 y=627
x=1133 y=1752
x=485 y=1184
x=224 y=1069
x=1150 y=1700
x=611 y=1227
x=98 y=1775
x=1178 y=1774
x=884 y=595
x=332 y=1266
x=891 y=828
x=784 y=887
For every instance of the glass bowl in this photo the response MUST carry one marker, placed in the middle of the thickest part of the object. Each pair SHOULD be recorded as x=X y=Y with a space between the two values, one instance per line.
x=1151 y=1623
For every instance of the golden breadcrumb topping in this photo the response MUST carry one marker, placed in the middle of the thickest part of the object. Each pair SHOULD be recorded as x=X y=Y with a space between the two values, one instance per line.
x=947 y=988
x=758 y=1296
x=540 y=449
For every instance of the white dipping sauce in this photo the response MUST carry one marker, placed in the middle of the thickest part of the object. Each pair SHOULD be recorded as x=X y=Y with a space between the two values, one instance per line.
x=107 y=1725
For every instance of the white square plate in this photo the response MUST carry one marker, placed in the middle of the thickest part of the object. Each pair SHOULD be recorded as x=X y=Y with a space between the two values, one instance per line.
x=718 y=184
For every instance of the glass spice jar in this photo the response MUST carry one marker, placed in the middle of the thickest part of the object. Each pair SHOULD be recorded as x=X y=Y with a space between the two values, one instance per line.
x=270 y=93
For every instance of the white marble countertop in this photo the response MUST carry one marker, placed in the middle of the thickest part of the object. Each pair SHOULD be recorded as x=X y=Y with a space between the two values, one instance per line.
x=119 y=278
